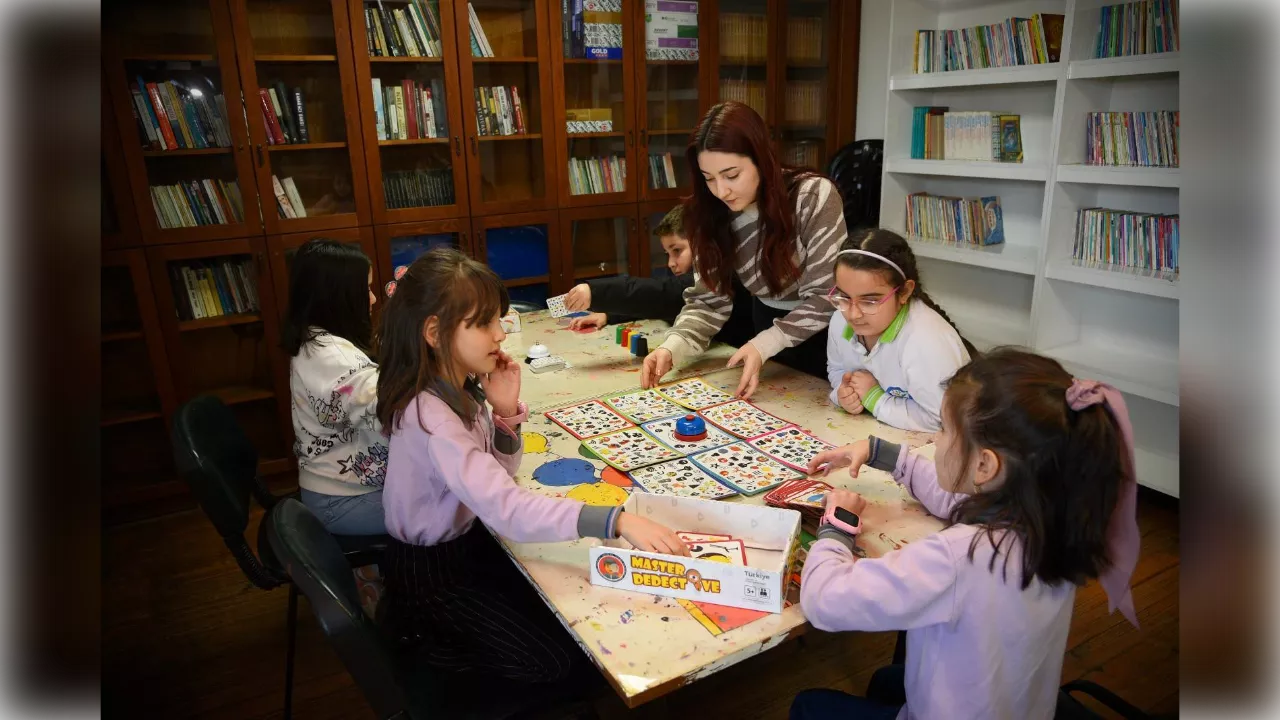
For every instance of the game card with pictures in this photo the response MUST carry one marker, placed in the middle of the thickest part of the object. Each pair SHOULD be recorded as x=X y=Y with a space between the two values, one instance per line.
x=730 y=552
x=743 y=419
x=587 y=419
x=683 y=478
x=744 y=468
x=557 y=306
x=629 y=449
x=694 y=393
x=791 y=446
x=644 y=406
x=665 y=431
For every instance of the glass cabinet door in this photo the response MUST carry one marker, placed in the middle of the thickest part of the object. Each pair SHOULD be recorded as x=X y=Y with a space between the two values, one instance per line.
x=744 y=39
x=805 y=92
x=671 y=82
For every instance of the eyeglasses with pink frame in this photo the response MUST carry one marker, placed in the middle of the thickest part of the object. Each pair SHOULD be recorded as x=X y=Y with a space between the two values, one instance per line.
x=868 y=307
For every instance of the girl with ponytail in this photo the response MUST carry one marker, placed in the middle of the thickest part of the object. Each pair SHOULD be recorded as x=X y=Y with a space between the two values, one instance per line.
x=890 y=347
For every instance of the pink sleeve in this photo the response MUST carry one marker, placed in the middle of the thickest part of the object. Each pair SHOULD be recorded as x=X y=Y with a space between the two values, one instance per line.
x=920 y=477
x=909 y=588
x=485 y=486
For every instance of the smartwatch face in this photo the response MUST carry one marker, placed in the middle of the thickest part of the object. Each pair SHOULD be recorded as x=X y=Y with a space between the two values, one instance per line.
x=846 y=517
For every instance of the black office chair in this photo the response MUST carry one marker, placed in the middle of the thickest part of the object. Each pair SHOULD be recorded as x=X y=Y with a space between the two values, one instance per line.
x=221 y=467
x=398 y=684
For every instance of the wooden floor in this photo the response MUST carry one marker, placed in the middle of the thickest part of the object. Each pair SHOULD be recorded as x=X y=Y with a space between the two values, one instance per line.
x=186 y=636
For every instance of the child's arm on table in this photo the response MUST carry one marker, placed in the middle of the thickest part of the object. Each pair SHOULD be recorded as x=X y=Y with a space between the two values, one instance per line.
x=917 y=474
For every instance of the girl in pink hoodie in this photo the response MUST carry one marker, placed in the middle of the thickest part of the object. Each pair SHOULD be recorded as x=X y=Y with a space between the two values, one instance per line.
x=1034 y=474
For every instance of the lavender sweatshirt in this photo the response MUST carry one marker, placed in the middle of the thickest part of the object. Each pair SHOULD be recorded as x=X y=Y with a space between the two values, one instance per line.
x=978 y=645
x=439 y=480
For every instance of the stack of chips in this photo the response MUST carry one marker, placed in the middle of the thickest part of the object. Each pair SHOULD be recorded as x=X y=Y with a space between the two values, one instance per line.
x=633 y=340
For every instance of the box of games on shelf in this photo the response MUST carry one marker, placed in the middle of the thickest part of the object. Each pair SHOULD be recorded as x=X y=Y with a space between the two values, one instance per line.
x=939 y=134
x=1014 y=42
x=409 y=110
x=410 y=31
x=1127 y=240
x=1137 y=139
x=592 y=29
x=670 y=30
x=418 y=188
x=193 y=203
x=962 y=221
x=595 y=175
x=588 y=120
x=284 y=114
x=1137 y=28
x=174 y=116
x=212 y=288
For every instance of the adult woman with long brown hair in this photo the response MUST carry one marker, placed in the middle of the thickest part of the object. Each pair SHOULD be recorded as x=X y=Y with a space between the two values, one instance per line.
x=773 y=229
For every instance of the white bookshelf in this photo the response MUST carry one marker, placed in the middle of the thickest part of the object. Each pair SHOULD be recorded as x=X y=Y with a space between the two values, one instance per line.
x=1111 y=324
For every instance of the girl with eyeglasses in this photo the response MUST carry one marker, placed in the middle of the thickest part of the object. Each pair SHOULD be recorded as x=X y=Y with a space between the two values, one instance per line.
x=890 y=347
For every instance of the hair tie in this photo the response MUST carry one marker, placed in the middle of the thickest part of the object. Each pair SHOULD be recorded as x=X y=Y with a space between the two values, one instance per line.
x=881 y=258
x=390 y=287
x=1123 y=540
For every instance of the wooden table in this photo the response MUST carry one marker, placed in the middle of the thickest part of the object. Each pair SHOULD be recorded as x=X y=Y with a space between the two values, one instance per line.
x=648 y=646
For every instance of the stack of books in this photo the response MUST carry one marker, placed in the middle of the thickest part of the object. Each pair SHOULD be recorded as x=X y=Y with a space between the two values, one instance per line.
x=804 y=102
x=411 y=31
x=1129 y=240
x=172 y=116
x=418 y=188
x=743 y=38
x=480 y=46
x=409 y=110
x=802 y=153
x=961 y=221
x=748 y=92
x=288 y=201
x=662 y=174
x=596 y=175
x=804 y=40
x=197 y=202
x=1137 y=28
x=938 y=134
x=1137 y=139
x=284 y=115
x=592 y=29
x=1016 y=41
x=211 y=288
x=499 y=111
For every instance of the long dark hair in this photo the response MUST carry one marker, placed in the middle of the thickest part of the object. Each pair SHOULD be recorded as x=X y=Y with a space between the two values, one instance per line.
x=1063 y=469
x=891 y=245
x=733 y=127
x=329 y=290
x=452 y=287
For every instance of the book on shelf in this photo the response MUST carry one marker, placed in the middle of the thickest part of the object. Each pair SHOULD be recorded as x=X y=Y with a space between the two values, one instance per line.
x=803 y=102
x=804 y=40
x=1137 y=28
x=288 y=202
x=409 y=111
x=748 y=92
x=662 y=173
x=938 y=133
x=193 y=203
x=409 y=31
x=418 y=188
x=174 y=116
x=1011 y=43
x=284 y=115
x=671 y=30
x=1133 y=139
x=499 y=111
x=1143 y=242
x=596 y=175
x=743 y=38
x=593 y=29
x=480 y=46
x=960 y=221
x=213 y=288
x=803 y=153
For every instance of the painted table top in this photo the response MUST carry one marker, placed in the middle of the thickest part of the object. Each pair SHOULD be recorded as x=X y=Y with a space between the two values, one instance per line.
x=647 y=645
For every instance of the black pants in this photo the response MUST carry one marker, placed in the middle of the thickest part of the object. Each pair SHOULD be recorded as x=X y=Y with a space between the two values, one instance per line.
x=886 y=694
x=809 y=356
x=471 y=609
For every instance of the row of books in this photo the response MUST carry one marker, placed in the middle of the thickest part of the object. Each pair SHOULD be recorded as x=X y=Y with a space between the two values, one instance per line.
x=411 y=31
x=940 y=134
x=1140 y=241
x=805 y=39
x=1016 y=41
x=284 y=114
x=803 y=153
x=172 y=116
x=212 y=288
x=671 y=30
x=748 y=92
x=805 y=102
x=499 y=111
x=418 y=188
x=288 y=201
x=1141 y=139
x=595 y=175
x=743 y=38
x=480 y=46
x=592 y=29
x=409 y=110
x=197 y=202
x=662 y=173
x=963 y=221
x=1137 y=28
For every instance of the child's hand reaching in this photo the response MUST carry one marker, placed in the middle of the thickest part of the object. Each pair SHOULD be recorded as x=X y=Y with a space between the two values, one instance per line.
x=847 y=499
x=586 y=322
x=649 y=536
x=502 y=386
x=579 y=298
x=847 y=395
x=855 y=455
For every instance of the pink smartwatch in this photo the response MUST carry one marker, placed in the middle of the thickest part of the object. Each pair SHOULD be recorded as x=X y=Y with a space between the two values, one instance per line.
x=842 y=520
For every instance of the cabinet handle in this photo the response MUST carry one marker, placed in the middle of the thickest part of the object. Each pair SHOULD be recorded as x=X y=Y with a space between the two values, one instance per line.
x=473 y=145
x=630 y=138
x=633 y=226
x=260 y=160
x=457 y=146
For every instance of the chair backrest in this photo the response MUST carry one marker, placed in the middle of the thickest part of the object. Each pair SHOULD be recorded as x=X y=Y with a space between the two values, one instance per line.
x=856 y=169
x=316 y=565
x=221 y=467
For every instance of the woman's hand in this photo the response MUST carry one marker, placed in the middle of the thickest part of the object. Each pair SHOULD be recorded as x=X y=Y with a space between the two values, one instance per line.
x=751 y=364
x=854 y=455
x=847 y=499
x=502 y=386
x=586 y=322
x=656 y=364
x=847 y=395
x=649 y=536
x=579 y=298
x=862 y=382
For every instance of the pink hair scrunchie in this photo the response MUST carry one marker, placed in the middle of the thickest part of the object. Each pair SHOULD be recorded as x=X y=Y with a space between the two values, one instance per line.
x=1123 y=539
